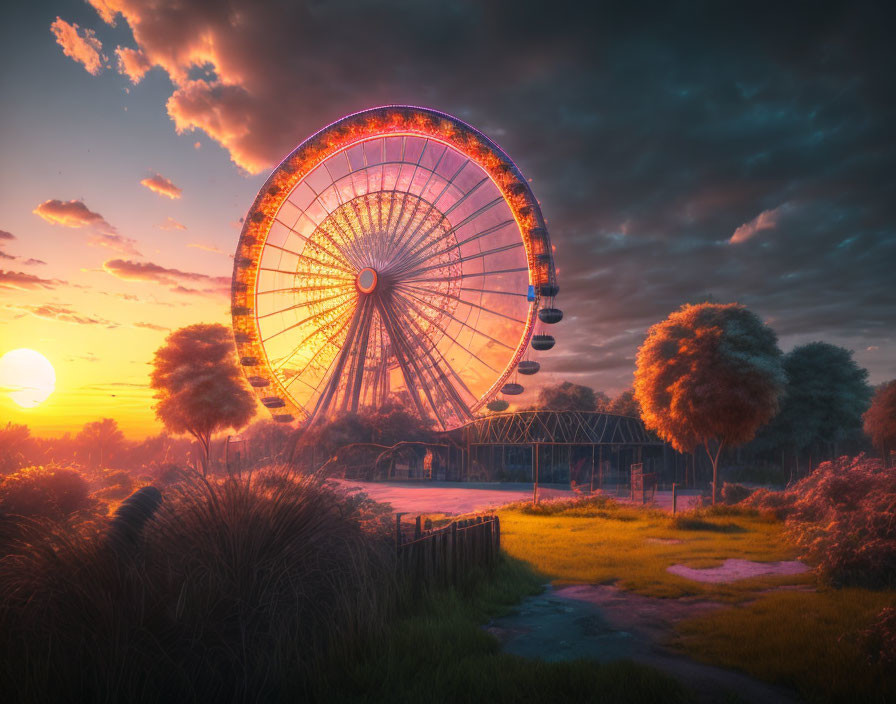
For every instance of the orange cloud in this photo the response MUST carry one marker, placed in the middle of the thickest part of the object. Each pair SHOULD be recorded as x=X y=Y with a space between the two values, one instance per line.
x=161 y=185
x=19 y=280
x=74 y=213
x=151 y=326
x=174 y=279
x=171 y=224
x=62 y=313
x=209 y=248
x=766 y=220
x=83 y=47
x=132 y=63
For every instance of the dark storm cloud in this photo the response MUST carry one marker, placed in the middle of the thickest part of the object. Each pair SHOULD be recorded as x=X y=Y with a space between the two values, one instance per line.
x=679 y=150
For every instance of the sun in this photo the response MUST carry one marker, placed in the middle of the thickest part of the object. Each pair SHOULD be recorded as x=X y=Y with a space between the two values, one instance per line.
x=27 y=377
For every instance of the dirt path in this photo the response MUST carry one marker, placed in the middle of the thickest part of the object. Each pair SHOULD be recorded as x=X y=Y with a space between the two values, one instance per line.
x=606 y=623
x=467 y=497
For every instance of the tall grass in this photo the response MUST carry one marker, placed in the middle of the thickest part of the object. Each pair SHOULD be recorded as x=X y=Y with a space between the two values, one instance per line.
x=238 y=591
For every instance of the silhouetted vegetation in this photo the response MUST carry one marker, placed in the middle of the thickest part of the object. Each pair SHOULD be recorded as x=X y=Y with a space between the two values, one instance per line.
x=237 y=590
x=880 y=420
x=841 y=517
x=710 y=375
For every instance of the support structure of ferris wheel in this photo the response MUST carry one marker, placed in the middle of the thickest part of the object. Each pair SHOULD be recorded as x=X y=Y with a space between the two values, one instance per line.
x=398 y=252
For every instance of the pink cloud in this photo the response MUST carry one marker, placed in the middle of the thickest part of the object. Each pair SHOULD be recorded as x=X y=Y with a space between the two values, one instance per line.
x=170 y=223
x=766 y=220
x=240 y=96
x=62 y=313
x=74 y=213
x=174 y=279
x=161 y=185
x=132 y=63
x=151 y=326
x=83 y=47
x=21 y=281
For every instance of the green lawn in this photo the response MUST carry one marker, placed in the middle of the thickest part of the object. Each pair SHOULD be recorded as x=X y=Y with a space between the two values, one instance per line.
x=806 y=640
x=625 y=546
x=439 y=652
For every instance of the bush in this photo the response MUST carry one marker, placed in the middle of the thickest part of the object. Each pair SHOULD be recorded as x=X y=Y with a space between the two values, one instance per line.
x=880 y=638
x=841 y=516
x=238 y=593
x=44 y=492
x=694 y=522
x=734 y=493
x=589 y=506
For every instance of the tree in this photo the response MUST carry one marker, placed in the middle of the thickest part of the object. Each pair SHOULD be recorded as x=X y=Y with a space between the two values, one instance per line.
x=880 y=420
x=101 y=441
x=710 y=375
x=199 y=387
x=17 y=447
x=625 y=404
x=823 y=402
x=567 y=396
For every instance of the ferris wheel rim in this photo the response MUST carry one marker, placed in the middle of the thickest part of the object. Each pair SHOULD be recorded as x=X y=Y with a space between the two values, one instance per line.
x=395 y=120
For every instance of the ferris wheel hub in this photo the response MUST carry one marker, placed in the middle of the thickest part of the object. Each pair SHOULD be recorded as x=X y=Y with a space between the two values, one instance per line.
x=366 y=280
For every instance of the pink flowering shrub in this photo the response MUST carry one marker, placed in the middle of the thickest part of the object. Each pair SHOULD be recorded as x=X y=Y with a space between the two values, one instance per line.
x=44 y=492
x=843 y=517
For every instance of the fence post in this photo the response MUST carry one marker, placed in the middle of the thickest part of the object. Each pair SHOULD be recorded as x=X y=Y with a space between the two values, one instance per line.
x=453 y=552
x=398 y=531
x=418 y=528
x=497 y=535
x=674 y=498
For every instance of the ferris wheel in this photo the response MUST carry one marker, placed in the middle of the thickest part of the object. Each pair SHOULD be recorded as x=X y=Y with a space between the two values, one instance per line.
x=399 y=253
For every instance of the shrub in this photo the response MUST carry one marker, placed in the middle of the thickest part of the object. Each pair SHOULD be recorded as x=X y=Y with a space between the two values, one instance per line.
x=880 y=638
x=44 y=492
x=693 y=522
x=734 y=493
x=239 y=593
x=841 y=516
x=597 y=505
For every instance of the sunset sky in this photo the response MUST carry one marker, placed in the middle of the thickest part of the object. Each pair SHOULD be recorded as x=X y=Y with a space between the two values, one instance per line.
x=677 y=154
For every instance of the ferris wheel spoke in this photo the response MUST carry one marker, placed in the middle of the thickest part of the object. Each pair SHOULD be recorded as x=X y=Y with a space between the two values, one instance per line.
x=304 y=304
x=486 y=290
x=445 y=332
x=457 y=204
x=420 y=199
x=469 y=257
x=344 y=318
x=335 y=376
x=471 y=275
x=359 y=360
x=460 y=405
x=310 y=242
x=432 y=207
x=306 y=320
x=476 y=330
x=400 y=358
x=305 y=258
x=465 y=302
x=350 y=242
x=457 y=245
x=410 y=259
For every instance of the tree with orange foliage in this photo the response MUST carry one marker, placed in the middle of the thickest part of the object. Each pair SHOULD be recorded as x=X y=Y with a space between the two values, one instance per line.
x=880 y=420
x=710 y=374
x=200 y=390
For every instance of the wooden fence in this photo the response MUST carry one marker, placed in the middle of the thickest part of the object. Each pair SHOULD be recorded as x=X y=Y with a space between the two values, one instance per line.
x=444 y=556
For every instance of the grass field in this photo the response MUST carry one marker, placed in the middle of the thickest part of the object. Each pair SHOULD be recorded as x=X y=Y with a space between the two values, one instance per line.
x=808 y=640
x=438 y=652
x=631 y=547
